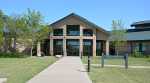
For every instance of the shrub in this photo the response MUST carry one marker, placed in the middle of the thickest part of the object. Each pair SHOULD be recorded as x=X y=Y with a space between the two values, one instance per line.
x=12 y=55
x=136 y=53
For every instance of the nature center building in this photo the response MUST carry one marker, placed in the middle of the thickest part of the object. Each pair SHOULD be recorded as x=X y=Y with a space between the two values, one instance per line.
x=74 y=35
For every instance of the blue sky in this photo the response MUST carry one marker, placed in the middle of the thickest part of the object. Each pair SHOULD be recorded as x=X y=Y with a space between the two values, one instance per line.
x=100 y=12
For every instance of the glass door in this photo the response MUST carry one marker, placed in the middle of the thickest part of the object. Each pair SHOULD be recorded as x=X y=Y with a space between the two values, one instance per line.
x=87 y=47
x=73 y=46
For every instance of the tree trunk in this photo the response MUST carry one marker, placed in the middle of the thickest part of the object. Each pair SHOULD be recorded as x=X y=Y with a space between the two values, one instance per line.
x=38 y=48
x=31 y=53
x=5 y=45
x=14 y=44
x=116 y=50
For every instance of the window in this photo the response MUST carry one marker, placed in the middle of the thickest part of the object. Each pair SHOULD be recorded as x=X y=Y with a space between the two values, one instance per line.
x=58 y=32
x=87 y=32
x=142 y=47
x=73 y=30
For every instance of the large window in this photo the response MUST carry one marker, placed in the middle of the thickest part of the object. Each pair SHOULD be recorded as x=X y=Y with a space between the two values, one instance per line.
x=87 y=32
x=73 y=30
x=58 y=32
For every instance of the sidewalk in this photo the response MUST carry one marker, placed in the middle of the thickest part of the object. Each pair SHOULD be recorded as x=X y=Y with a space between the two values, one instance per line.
x=145 y=67
x=67 y=70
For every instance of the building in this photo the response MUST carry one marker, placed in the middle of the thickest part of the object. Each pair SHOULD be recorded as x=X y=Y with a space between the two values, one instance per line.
x=74 y=35
x=139 y=37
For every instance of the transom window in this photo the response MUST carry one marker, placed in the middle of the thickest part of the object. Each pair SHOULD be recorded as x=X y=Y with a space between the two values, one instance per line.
x=58 y=32
x=73 y=30
x=87 y=32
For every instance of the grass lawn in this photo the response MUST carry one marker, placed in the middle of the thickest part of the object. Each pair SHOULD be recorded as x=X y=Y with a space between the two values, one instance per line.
x=20 y=70
x=132 y=61
x=119 y=75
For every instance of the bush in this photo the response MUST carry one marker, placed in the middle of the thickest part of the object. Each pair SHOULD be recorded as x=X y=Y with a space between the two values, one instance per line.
x=136 y=53
x=12 y=55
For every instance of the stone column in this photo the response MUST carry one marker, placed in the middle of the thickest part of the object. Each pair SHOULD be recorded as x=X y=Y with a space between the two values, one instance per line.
x=64 y=41
x=51 y=44
x=94 y=42
x=107 y=47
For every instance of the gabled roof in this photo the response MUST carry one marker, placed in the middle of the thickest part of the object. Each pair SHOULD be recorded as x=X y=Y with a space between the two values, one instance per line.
x=83 y=20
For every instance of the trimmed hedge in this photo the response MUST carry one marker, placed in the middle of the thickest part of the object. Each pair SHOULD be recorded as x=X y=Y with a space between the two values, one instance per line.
x=12 y=55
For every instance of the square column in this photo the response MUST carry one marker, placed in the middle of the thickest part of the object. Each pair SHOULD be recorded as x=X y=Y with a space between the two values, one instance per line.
x=94 y=46
x=81 y=48
x=81 y=42
x=94 y=42
x=107 y=47
x=64 y=47
x=64 y=40
x=51 y=44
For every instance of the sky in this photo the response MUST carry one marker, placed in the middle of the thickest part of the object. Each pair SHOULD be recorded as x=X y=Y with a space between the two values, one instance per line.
x=100 y=12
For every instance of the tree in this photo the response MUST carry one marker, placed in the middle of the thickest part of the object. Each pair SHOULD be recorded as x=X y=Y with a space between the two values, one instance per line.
x=40 y=36
x=3 y=31
x=16 y=24
x=34 y=25
x=118 y=34
x=1 y=26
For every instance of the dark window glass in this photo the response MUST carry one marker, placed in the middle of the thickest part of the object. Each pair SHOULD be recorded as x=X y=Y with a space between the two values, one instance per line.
x=73 y=47
x=58 y=47
x=99 y=48
x=73 y=30
x=87 y=32
x=87 y=47
x=58 y=32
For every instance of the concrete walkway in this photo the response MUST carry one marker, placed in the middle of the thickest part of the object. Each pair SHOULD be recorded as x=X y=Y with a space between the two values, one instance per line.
x=122 y=66
x=66 y=70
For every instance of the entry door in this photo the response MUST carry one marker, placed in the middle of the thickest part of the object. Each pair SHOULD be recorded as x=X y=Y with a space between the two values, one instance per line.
x=58 y=47
x=87 y=47
x=73 y=47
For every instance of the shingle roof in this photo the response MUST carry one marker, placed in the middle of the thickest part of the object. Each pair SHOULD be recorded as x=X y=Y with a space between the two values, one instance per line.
x=82 y=19
x=141 y=23
x=143 y=35
x=138 y=30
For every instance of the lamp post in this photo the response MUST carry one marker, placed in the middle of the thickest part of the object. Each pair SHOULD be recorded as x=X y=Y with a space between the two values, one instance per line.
x=89 y=61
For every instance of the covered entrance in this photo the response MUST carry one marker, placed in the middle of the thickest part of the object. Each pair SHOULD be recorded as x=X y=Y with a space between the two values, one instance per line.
x=73 y=46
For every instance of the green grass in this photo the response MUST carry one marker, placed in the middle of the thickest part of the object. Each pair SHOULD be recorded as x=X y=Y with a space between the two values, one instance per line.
x=20 y=70
x=119 y=75
x=132 y=61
